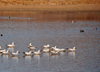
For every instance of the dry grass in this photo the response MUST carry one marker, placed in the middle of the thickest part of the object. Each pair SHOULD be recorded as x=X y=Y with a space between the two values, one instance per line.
x=49 y=2
x=67 y=5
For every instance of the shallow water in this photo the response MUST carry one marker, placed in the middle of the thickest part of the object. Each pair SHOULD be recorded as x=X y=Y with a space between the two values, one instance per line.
x=64 y=34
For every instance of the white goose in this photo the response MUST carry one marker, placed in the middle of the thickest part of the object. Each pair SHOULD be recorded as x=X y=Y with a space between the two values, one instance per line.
x=32 y=48
x=37 y=52
x=60 y=50
x=45 y=50
x=54 y=47
x=28 y=53
x=54 y=53
x=57 y=49
x=71 y=49
x=15 y=54
x=6 y=52
x=46 y=46
x=2 y=51
x=11 y=45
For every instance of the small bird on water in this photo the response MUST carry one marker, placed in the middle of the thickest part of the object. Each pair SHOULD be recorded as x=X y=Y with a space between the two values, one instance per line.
x=73 y=21
x=1 y=34
x=95 y=28
x=9 y=17
x=81 y=30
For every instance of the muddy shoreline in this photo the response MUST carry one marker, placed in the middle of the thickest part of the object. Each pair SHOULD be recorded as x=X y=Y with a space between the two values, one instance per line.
x=66 y=12
x=53 y=8
x=53 y=16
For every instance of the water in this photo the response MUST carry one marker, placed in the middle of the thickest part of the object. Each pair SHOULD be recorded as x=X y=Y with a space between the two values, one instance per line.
x=62 y=33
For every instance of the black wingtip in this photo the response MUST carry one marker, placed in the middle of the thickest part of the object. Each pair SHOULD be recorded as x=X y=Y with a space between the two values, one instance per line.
x=1 y=34
x=11 y=53
x=23 y=52
x=67 y=48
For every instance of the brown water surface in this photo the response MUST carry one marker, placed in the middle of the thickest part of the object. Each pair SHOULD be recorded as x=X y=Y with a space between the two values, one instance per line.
x=52 y=15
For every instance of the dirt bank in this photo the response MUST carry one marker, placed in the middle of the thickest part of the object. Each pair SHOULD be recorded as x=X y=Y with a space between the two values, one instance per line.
x=40 y=8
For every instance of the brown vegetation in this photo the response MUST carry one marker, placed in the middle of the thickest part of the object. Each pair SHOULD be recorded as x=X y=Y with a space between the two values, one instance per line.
x=62 y=5
x=48 y=2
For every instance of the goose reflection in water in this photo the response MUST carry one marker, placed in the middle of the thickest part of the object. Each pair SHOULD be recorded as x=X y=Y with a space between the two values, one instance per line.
x=15 y=59
x=54 y=56
x=5 y=58
x=62 y=53
x=11 y=49
x=37 y=57
x=28 y=59
x=45 y=55
x=31 y=50
x=71 y=54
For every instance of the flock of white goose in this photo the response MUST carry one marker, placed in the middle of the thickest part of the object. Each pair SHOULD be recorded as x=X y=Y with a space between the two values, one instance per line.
x=45 y=49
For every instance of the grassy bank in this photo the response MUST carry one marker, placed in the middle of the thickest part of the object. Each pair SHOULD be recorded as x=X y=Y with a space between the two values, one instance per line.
x=47 y=2
x=49 y=5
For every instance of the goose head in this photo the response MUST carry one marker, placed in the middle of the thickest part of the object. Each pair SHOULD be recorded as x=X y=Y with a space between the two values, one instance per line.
x=39 y=50
x=8 y=51
x=30 y=44
x=0 y=47
x=48 y=45
x=18 y=52
x=74 y=47
x=13 y=43
x=4 y=50
x=55 y=46
x=30 y=51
